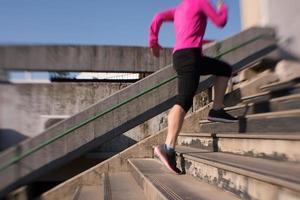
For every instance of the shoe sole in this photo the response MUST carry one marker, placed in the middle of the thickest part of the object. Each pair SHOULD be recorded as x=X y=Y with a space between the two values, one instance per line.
x=214 y=119
x=163 y=160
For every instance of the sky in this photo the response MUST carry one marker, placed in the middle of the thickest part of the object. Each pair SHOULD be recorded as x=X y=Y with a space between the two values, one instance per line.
x=96 y=22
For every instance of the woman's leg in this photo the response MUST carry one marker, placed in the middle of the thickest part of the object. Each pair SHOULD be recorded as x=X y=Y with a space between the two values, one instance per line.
x=222 y=71
x=188 y=79
x=175 y=121
x=220 y=87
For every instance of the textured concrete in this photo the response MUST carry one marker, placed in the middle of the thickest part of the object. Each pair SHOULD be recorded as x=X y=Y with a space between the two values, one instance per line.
x=124 y=187
x=82 y=58
x=117 y=163
x=280 y=149
x=268 y=146
x=282 y=121
x=261 y=105
x=287 y=70
x=129 y=115
x=26 y=108
x=204 y=142
x=250 y=87
x=158 y=183
x=94 y=192
x=236 y=182
x=248 y=178
x=3 y=76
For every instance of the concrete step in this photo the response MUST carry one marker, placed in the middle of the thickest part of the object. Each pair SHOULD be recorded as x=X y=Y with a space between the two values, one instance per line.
x=279 y=146
x=91 y=192
x=87 y=191
x=246 y=177
x=283 y=121
x=249 y=87
x=265 y=104
x=123 y=187
x=274 y=90
x=116 y=186
x=265 y=96
x=281 y=85
x=253 y=104
x=158 y=183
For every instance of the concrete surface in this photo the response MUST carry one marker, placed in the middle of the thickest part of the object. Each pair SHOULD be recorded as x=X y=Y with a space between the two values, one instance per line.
x=82 y=58
x=282 y=122
x=158 y=183
x=3 y=76
x=287 y=70
x=25 y=108
x=248 y=178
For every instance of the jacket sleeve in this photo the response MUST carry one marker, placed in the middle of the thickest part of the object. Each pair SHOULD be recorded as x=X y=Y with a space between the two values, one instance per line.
x=159 y=18
x=218 y=17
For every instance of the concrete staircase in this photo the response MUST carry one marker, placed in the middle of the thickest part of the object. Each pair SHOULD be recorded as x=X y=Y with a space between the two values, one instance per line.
x=255 y=158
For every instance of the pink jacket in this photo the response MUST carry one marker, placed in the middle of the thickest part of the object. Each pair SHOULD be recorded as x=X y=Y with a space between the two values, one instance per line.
x=190 y=20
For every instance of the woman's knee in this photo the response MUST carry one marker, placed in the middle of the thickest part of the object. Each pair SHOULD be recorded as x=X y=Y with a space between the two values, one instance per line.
x=185 y=101
x=225 y=70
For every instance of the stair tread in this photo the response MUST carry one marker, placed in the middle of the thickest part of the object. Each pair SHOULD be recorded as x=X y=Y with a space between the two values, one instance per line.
x=280 y=84
x=262 y=94
x=91 y=192
x=178 y=186
x=278 y=114
x=287 y=173
x=124 y=187
x=275 y=136
x=273 y=100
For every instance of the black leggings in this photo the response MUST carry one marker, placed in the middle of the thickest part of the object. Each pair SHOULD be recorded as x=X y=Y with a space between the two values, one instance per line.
x=189 y=65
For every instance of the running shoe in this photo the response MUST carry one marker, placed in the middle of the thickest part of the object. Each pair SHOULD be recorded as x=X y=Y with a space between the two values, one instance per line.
x=167 y=158
x=221 y=116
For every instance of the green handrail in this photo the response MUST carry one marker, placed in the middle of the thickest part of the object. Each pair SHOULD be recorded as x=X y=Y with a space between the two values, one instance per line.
x=77 y=126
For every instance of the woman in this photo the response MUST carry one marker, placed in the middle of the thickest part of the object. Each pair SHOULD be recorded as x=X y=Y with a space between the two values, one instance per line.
x=190 y=21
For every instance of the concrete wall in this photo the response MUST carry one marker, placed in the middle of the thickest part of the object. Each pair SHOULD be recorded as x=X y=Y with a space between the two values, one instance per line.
x=251 y=13
x=283 y=15
x=82 y=58
x=25 y=108
x=3 y=76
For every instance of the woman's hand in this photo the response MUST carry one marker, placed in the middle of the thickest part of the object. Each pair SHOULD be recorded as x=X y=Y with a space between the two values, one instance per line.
x=220 y=3
x=155 y=50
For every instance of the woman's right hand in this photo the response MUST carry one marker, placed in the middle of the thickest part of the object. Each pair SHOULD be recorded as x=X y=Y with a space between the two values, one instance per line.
x=155 y=50
x=220 y=3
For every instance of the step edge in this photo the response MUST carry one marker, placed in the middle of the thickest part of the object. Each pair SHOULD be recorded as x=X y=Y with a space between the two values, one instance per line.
x=145 y=180
x=203 y=182
x=268 y=115
x=244 y=136
x=291 y=82
x=252 y=174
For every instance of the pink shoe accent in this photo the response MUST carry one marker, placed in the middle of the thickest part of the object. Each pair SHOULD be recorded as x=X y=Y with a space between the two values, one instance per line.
x=163 y=159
